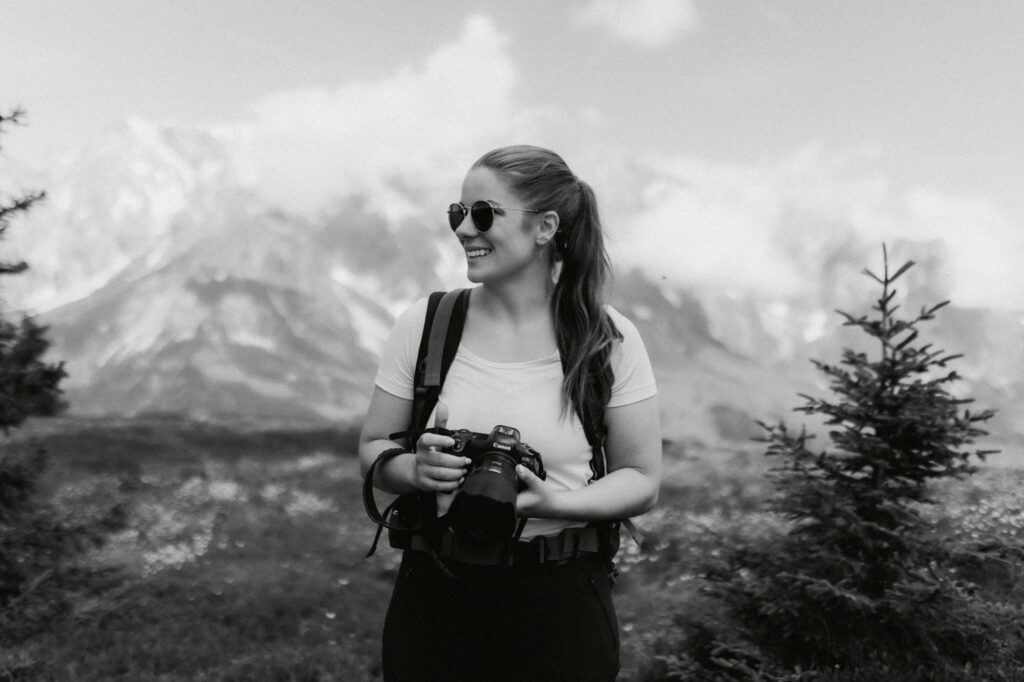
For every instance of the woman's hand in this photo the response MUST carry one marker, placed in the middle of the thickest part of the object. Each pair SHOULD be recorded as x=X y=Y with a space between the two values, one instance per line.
x=436 y=470
x=537 y=499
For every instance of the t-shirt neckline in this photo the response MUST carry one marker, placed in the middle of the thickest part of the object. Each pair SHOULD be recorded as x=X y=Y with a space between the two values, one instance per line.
x=536 y=362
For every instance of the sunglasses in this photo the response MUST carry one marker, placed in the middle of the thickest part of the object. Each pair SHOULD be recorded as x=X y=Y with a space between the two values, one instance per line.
x=482 y=213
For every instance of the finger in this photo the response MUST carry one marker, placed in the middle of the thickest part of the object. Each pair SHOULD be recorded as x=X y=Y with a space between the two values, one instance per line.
x=443 y=473
x=444 y=480
x=526 y=477
x=435 y=440
x=445 y=486
x=438 y=458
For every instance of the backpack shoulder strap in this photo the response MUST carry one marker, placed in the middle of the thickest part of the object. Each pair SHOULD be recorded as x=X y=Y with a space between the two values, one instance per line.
x=442 y=331
x=596 y=433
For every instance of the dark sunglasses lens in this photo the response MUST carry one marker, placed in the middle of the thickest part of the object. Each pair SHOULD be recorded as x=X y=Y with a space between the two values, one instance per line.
x=456 y=214
x=483 y=215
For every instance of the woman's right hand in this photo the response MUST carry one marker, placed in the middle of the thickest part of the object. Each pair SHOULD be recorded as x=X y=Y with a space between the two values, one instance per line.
x=437 y=470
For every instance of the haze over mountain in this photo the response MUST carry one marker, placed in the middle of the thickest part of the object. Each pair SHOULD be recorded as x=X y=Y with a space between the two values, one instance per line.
x=170 y=284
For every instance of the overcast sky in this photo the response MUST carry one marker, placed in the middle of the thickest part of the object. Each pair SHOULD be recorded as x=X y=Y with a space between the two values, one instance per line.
x=704 y=126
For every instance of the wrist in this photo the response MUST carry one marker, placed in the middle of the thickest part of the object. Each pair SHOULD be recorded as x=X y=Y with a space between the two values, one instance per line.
x=560 y=506
x=395 y=472
x=552 y=505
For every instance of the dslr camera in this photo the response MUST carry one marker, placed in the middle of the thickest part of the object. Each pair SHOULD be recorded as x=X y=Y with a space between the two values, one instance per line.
x=484 y=509
x=482 y=515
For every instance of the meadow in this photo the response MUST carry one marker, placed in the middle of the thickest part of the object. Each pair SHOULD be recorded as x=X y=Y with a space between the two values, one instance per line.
x=239 y=551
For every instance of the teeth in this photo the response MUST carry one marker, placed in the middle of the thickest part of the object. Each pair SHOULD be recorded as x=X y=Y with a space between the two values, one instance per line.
x=476 y=253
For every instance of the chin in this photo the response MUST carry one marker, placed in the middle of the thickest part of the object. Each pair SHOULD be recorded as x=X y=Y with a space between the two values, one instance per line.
x=476 y=274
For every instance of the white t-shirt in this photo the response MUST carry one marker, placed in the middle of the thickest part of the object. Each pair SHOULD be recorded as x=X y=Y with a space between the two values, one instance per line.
x=480 y=394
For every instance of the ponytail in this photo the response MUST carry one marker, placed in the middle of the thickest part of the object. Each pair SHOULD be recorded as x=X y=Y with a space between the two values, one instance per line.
x=583 y=330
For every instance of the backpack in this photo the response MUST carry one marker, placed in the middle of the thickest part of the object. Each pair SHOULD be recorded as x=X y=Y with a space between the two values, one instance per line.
x=411 y=519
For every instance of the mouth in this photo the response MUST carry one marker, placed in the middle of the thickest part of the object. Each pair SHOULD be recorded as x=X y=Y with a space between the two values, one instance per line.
x=477 y=253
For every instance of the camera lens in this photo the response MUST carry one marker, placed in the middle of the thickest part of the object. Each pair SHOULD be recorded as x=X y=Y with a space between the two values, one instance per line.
x=486 y=504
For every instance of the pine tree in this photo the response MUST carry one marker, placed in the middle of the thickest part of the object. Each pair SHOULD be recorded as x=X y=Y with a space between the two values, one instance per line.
x=28 y=385
x=33 y=543
x=860 y=579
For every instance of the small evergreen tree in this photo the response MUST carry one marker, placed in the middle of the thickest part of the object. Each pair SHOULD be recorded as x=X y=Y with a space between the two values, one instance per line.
x=33 y=542
x=28 y=386
x=859 y=579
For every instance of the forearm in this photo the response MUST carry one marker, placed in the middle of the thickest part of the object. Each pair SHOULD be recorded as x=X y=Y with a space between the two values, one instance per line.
x=620 y=494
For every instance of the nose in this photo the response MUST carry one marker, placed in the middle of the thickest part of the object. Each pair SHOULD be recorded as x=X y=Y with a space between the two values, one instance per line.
x=466 y=229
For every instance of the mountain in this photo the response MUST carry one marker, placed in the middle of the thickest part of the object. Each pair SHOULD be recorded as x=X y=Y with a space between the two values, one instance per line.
x=723 y=362
x=236 y=307
x=168 y=284
x=119 y=206
x=221 y=329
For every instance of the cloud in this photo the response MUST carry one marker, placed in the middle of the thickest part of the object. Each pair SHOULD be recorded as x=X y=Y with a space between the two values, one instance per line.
x=430 y=121
x=985 y=252
x=406 y=140
x=648 y=23
x=807 y=224
x=713 y=232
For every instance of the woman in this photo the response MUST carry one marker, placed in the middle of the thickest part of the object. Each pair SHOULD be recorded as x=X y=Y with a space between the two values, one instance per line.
x=538 y=349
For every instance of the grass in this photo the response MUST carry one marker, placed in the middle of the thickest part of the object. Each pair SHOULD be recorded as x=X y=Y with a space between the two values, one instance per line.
x=240 y=553
x=240 y=558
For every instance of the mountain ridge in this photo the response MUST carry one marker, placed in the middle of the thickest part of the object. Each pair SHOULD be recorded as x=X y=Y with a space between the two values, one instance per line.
x=193 y=295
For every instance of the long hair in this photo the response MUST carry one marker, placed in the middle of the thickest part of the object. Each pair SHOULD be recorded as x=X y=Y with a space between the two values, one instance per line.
x=583 y=330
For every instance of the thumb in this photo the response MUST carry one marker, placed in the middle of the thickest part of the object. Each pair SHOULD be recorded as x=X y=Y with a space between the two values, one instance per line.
x=441 y=416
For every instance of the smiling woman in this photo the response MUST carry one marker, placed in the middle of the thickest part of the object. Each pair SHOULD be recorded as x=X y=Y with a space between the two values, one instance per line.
x=498 y=233
x=542 y=357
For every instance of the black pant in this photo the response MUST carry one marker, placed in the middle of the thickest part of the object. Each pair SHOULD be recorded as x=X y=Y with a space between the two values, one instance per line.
x=541 y=622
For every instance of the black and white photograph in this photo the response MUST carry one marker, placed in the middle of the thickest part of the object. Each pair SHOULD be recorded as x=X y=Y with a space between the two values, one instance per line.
x=637 y=340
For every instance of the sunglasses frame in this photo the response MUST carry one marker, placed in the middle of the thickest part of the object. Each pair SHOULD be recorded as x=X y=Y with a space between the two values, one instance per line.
x=468 y=211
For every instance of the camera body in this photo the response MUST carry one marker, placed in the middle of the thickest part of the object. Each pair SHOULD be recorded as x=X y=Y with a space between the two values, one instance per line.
x=483 y=514
x=484 y=448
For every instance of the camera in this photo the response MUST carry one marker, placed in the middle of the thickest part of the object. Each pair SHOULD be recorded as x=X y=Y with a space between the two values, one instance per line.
x=481 y=520
x=483 y=513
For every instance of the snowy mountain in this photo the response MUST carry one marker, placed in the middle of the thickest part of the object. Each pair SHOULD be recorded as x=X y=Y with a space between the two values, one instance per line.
x=118 y=207
x=250 y=321
x=169 y=285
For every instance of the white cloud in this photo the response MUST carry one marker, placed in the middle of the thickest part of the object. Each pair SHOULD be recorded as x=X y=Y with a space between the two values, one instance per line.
x=713 y=232
x=429 y=122
x=985 y=252
x=760 y=226
x=649 y=23
x=812 y=219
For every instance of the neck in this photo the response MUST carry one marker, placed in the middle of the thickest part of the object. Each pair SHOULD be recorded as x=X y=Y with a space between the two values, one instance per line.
x=517 y=300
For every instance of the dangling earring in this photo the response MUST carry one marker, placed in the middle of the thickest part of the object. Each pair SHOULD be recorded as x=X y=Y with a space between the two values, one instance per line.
x=541 y=243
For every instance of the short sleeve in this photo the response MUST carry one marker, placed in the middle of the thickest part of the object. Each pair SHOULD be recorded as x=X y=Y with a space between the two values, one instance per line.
x=634 y=377
x=397 y=369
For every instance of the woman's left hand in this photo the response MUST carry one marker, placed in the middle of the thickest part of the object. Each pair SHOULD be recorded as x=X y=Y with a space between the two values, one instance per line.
x=537 y=499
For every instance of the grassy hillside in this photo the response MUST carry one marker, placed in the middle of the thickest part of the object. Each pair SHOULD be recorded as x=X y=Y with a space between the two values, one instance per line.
x=240 y=555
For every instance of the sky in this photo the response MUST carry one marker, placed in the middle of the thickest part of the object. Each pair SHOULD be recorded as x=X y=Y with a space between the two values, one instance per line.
x=730 y=142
